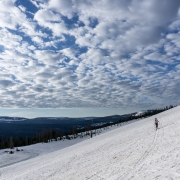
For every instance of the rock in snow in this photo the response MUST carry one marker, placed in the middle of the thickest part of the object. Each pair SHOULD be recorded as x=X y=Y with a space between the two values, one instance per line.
x=133 y=151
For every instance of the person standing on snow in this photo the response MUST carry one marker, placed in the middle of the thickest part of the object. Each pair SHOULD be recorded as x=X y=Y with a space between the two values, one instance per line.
x=156 y=123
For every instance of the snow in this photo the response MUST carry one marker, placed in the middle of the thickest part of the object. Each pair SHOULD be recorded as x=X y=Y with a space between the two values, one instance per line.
x=139 y=113
x=134 y=151
x=31 y=151
x=11 y=119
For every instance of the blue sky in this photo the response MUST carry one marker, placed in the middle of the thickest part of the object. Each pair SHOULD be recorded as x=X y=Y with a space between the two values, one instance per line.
x=88 y=58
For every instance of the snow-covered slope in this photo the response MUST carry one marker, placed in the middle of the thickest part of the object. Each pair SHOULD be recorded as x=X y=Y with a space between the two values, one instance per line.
x=135 y=151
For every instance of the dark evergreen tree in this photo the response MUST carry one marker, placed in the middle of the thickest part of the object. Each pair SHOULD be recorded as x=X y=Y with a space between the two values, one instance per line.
x=11 y=143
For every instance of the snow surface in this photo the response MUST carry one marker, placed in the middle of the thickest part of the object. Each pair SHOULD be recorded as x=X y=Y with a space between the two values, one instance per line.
x=135 y=151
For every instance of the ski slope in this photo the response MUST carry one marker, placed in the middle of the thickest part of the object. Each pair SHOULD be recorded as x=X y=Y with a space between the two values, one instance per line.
x=134 y=151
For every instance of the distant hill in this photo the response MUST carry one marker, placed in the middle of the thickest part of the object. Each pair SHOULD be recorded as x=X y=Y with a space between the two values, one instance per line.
x=21 y=127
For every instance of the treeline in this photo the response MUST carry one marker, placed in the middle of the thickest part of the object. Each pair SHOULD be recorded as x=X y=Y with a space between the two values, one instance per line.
x=90 y=130
x=14 y=142
x=53 y=134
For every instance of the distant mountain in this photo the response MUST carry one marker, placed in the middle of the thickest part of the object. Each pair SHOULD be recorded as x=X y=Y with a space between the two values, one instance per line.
x=41 y=120
x=21 y=127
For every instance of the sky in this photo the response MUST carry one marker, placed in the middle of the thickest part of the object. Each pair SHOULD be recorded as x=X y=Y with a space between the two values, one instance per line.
x=88 y=58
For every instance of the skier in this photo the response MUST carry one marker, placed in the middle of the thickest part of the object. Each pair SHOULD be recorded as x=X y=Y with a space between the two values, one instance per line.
x=156 y=123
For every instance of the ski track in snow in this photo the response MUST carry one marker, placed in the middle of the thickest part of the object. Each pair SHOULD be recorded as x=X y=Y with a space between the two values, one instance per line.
x=132 y=152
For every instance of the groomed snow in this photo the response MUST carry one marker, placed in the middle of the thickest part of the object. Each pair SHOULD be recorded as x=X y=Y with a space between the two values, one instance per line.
x=135 y=151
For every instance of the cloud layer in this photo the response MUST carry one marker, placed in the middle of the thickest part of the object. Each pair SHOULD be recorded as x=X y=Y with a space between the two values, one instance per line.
x=118 y=54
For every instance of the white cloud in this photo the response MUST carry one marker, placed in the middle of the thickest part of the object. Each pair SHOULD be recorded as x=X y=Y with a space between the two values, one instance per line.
x=10 y=15
x=44 y=16
x=38 y=40
x=6 y=83
x=155 y=56
x=48 y=57
x=69 y=52
x=22 y=8
x=175 y=25
x=48 y=19
x=65 y=7
x=35 y=3
x=9 y=40
x=124 y=51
